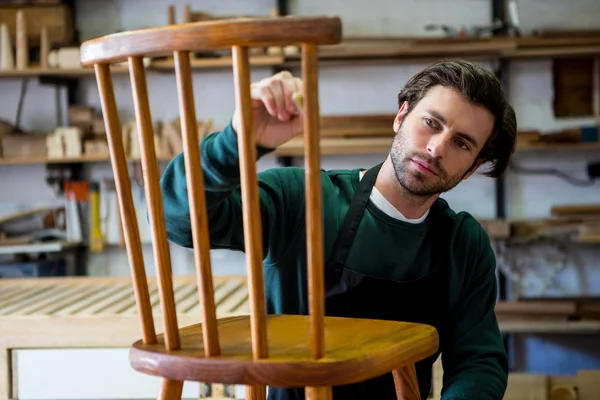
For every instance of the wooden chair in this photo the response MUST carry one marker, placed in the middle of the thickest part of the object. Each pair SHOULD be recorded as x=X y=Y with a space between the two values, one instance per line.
x=257 y=350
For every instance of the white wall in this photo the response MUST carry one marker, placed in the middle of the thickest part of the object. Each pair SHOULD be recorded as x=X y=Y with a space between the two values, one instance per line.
x=343 y=89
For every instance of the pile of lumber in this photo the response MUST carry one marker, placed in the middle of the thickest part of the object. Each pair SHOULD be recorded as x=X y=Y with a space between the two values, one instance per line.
x=555 y=308
x=576 y=135
x=85 y=135
x=168 y=139
x=537 y=386
x=348 y=134
x=578 y=223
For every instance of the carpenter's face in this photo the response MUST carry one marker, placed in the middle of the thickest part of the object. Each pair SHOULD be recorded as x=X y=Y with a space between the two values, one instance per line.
x=437 y=143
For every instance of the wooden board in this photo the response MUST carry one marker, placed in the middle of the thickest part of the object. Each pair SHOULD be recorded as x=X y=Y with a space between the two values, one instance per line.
x=526 y=386
x=56 y=17
x=573 y=87
x=566 y=308
x=588 y=384
x=90 y=297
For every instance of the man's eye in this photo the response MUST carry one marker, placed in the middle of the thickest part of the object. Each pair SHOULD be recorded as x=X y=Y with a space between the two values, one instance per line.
x=462 y=145
x=429 y=122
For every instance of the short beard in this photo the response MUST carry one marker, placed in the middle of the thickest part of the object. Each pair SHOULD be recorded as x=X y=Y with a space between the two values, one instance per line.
x=417 y=186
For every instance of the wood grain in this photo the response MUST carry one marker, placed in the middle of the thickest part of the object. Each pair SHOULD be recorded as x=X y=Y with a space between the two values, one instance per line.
x=563 y=392
x=407 y=386
x=160 y=246
x=210 y=35
x=170 y=390
x=314 y=201
x=127 y=211
x=253 y=245
x=197 y=200
x=257 y=392
x=356 y=350
x=318 y=393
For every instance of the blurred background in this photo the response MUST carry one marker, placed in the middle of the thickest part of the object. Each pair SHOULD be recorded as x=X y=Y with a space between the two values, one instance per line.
x=58 y=211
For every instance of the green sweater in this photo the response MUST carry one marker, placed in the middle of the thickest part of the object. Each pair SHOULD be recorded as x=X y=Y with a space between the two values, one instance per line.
x=475 y=362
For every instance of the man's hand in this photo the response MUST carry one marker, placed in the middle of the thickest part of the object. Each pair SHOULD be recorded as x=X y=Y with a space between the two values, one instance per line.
x=275 y=116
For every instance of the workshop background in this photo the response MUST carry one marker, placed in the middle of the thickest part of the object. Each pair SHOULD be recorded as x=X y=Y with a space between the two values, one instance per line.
x=58 y=213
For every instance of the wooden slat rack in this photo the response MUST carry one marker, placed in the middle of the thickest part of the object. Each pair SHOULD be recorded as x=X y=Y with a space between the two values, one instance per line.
x=93 y=312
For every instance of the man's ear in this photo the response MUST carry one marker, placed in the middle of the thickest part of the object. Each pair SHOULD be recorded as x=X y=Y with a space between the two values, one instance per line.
x=400 y=116
x=473 y=168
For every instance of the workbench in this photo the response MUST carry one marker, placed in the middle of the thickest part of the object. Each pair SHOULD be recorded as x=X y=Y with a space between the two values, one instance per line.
x=100 y=313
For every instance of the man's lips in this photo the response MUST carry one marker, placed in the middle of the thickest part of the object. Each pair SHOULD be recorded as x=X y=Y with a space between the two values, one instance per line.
x=424 y=167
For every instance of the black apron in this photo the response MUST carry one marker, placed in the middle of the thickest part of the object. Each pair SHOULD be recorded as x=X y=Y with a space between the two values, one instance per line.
x=354 y=295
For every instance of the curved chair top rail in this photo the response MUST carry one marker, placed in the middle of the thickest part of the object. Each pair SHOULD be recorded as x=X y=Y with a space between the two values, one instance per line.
x=210 y=35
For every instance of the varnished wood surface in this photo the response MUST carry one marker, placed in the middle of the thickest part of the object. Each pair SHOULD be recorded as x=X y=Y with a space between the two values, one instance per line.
x=197 y=200
x=127 y=212
x=209 y=35
x=253 y=245
x=355 y=350
x=314 y=199
x=60 y=298
x=170 y=390
x=407 y=385
x=160 y=245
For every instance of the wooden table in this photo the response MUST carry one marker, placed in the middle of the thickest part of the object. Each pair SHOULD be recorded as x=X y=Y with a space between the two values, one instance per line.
x=92 y=312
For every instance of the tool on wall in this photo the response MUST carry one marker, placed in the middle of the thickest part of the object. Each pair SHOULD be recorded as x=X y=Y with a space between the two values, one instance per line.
x=96 y=237
x=76 y=192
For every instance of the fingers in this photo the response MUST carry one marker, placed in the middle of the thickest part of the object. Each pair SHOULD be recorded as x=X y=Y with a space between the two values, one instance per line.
x=276 y=92
x=261 y=93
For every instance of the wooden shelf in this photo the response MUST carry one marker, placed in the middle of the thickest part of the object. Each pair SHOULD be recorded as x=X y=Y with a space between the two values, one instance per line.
x=217 y=62
x=295 y=148
x=532 y=146
x=64 y=73
x=68 y=160
x=337 y=146
x=378 y=49
x=156 y=66
x=41 y=247
x=548 y=326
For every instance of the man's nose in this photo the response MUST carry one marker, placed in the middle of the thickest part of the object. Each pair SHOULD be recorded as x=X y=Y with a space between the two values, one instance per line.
x=436 y=147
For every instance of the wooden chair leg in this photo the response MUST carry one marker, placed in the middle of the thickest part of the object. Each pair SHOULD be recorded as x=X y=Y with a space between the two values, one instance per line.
x=318 y=393
x=256 y=392
x=407 y=386
x=170 y=390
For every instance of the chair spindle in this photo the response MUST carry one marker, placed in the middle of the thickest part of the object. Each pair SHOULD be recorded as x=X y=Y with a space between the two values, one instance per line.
x=405 y=381
x=256 y=392
x=170 y=390
x=197 y=200
x=251 y=213
x=314 y=217
x=127 y=212
x=251 y=207
x=145 y=133
x=314 y=228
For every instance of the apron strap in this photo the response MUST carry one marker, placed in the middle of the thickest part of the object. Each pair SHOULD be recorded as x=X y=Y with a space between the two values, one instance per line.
x=347 y=231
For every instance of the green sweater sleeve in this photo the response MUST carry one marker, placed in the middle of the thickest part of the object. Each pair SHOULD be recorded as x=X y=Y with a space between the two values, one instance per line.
x=220 y=164
x=473 y=356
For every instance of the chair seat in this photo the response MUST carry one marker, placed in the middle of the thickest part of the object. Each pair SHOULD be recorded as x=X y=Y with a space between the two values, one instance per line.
x=355 y=350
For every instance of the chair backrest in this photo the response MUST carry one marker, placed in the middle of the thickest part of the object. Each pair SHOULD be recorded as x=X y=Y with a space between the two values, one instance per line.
x=180 y=41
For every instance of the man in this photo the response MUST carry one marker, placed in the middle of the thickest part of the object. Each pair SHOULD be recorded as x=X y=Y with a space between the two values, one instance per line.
x=407 y=256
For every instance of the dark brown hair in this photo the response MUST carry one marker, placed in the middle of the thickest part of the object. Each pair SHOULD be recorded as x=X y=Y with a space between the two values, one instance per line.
x=480 y=87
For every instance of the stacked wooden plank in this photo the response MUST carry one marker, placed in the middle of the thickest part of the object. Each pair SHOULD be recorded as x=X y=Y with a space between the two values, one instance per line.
x=535 y=386
x=558 y=308
x=348 y=134
x=576 y=223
